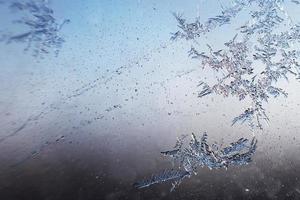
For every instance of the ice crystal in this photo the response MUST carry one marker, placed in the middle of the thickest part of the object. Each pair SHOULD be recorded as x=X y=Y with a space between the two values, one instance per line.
x=42 y=30
x=252 y=62
x=198 y=153
x=166 y=175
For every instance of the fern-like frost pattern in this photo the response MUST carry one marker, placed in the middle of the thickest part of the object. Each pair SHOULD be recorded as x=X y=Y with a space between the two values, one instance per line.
x=41 y=29
x=199 y=153
x=262 y=52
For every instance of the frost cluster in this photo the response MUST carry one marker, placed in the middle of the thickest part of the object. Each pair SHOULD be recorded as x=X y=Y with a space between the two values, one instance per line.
x=198 y=153
x=263 y=51
x=41 y=33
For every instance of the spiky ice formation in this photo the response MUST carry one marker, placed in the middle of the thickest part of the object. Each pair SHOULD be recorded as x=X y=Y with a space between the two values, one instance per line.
x=262 y=52
x=198 y=153
x=41 y=30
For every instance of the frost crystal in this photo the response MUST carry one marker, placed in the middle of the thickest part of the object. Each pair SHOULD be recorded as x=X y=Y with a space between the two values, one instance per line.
x=42 y=29
x=198 y=153
x=166 y=175
x=261 y=53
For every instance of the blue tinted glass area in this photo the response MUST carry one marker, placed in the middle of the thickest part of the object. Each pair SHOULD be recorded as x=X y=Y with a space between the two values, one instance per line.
x=147 y=99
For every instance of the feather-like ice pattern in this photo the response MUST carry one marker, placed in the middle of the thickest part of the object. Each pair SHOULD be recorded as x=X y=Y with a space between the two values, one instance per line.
x=268 y=37
x=241 y=158
x=276 y=91
x=246 y=116
x=236 y=146
x=166 y=175
x=198 y=153
x=295 y=1
x=205 y=91
x=42 y=33
x=196 y=29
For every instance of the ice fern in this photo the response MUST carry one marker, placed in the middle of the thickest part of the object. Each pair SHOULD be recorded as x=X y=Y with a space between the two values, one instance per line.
x=41 y=33
x=262 y=52
x=188 y=157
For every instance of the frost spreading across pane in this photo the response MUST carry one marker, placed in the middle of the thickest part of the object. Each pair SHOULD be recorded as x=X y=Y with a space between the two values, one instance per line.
x=41 y=33
x=263 y=51
x=198 y=153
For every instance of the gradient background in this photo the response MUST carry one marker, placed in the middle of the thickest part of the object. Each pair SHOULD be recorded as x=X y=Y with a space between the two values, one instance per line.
x=62 y=138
